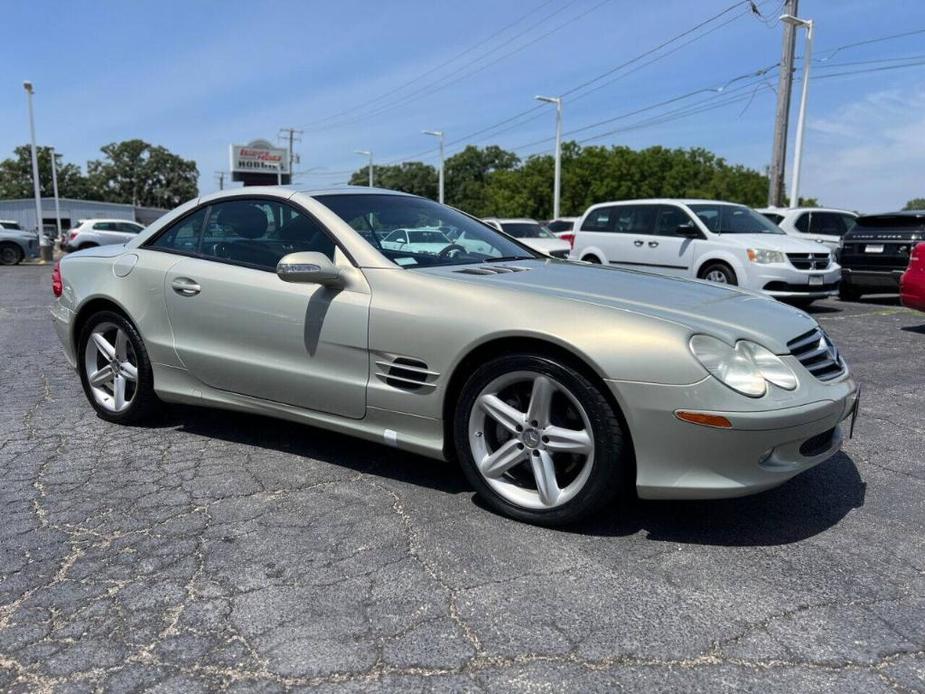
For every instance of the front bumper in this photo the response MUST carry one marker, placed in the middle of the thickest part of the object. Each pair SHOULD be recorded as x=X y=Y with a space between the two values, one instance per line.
x=785 y=281
x=680 y=460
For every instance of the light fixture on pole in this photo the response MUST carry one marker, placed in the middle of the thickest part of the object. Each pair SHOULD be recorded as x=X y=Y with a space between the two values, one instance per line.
x=557 y=180
x=54 y=185
x=367 y=153
x=440 y=174
x=43 y=241
x=804 y=96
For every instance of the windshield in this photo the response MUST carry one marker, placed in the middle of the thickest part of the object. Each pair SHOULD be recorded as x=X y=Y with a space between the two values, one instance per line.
x=416 y=232
x=11 y=226
x=733 y=219
x=526 y=230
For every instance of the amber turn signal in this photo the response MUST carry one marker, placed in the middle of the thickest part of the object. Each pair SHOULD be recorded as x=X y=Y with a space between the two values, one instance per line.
x=707 y=420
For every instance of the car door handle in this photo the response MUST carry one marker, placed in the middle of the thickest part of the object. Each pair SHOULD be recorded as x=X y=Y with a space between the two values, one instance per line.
x=637 y=243
x=185 y=286
x=653 y=244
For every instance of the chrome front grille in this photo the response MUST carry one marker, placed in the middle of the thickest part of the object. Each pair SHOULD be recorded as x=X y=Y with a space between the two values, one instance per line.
x=809 y=261
x=816 y=352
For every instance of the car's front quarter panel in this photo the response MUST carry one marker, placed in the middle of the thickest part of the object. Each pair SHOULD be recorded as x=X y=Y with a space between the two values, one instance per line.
x=439 y=320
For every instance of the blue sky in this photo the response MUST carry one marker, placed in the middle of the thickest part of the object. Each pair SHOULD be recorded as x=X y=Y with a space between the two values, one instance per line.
x=195 y=76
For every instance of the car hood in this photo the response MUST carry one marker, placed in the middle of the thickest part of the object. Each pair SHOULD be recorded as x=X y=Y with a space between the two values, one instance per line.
x=772 y=242
x=726 y=312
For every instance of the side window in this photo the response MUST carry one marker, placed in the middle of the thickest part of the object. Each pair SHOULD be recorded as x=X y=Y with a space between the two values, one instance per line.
x=668 y=219
x=128 y=228
x=802 y=223
x=258 y=233
x=600 y=219
x=849 y=220
x=828 y=223
x=636 y=219
x=103 y=226
x=183 y=236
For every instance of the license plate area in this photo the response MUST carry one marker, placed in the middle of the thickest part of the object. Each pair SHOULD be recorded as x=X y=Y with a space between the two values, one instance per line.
x=815 y=280
x=873 y=248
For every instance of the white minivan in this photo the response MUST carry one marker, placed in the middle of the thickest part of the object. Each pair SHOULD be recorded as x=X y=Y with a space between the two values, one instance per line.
x=709 y=240
x=820 y=224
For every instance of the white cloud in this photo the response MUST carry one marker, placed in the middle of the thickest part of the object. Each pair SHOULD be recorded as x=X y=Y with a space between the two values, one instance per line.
x=870 y=154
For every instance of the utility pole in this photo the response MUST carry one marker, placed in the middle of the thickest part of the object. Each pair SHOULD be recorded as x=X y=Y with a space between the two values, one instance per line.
x=367 y=153
x=801 y=119
x=440 y=173
x=557 y=178
x=44 y=247
x=54 y=184
x=220 y=175
x=293 y=135
x=782 y=117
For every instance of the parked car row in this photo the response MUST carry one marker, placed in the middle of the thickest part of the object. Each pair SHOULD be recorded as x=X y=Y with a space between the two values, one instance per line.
x=16 y=244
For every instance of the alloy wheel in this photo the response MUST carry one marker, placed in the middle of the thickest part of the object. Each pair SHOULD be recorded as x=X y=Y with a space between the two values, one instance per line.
x=716 y=276
x=111 y=367
x=531 y=440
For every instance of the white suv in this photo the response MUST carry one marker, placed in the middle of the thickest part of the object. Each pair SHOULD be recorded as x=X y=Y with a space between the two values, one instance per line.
x=709 y=240
x=820 y=224
x=531 y=233
x=100 y=232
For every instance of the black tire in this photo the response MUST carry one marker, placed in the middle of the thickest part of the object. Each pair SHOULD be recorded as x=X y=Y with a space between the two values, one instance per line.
x=721 y=267
x=612 y=456
x=593 y=259
x=145 y=403
x=847 y=292
x=10 y=254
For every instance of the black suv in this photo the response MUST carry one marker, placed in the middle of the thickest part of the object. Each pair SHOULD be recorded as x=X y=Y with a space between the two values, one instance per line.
x=875 y=252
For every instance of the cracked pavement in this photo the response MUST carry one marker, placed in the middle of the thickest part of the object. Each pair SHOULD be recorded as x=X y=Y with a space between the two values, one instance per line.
x=214 y=550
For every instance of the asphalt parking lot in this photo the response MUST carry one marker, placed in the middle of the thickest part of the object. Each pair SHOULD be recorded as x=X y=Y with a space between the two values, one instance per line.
x=216 y=550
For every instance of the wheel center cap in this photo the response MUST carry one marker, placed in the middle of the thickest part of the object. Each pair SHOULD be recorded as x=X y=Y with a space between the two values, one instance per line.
x=531 y=438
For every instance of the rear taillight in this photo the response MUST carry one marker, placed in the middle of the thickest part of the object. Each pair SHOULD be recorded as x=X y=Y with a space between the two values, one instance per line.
x=73 y=235
x=570 y=237
x=57 y=287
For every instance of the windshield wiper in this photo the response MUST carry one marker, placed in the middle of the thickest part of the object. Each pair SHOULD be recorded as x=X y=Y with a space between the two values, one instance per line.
x=506 y=258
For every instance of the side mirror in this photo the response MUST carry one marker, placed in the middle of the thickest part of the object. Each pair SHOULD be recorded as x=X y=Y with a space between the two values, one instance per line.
x=309 y=267
x=688 y=231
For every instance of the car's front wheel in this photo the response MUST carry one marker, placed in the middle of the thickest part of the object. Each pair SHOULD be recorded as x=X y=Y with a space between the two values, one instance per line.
x=10 y=254
x=539 y=441
x=115 y=370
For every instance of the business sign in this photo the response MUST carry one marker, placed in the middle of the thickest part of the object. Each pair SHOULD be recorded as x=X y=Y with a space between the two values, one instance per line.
x=258 y=159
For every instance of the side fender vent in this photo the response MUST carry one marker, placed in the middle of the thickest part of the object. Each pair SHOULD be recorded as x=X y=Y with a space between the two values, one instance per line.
x=406 y=373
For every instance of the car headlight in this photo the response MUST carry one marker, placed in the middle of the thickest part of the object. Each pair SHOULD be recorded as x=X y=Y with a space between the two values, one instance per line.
x=763 y=256
x=747 y=368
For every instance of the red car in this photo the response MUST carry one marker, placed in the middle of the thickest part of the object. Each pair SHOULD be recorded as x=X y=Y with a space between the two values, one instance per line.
x=912 y=282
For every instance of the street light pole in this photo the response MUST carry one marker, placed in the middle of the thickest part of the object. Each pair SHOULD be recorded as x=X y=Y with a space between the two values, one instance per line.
x=557 y=180
x=804 y=97
x=367 y=153
x=440 y=174
x=43 y=241
x=54 y=184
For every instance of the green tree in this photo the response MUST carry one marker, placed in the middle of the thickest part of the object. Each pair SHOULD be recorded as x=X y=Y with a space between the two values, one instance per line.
x=408 y=177
x=139 y=173
x=16 y=176
x=915 y=204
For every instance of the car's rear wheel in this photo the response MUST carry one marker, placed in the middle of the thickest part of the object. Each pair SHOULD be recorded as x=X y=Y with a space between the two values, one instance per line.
x=538 y=440
x=10 y=254
x=115 y=370
x=593 y=259
x=719 y=273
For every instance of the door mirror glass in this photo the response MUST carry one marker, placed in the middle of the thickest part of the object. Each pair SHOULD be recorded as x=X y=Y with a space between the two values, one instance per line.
x=309 y=267
x=688 y=230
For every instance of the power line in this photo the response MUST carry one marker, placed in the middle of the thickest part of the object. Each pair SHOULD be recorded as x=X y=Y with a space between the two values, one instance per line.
x=435 y=68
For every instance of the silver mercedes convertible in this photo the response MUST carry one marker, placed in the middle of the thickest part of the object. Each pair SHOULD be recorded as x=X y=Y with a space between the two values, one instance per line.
x=556 y=385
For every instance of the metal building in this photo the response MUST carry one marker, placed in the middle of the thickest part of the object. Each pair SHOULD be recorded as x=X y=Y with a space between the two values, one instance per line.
x=72 y=211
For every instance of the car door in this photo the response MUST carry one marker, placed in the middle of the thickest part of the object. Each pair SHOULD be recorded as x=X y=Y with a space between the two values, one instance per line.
x=636 y=223
x=126 y=231
x=600 y=235
x=107 y=233
x=671 y=253
x=238 y=327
